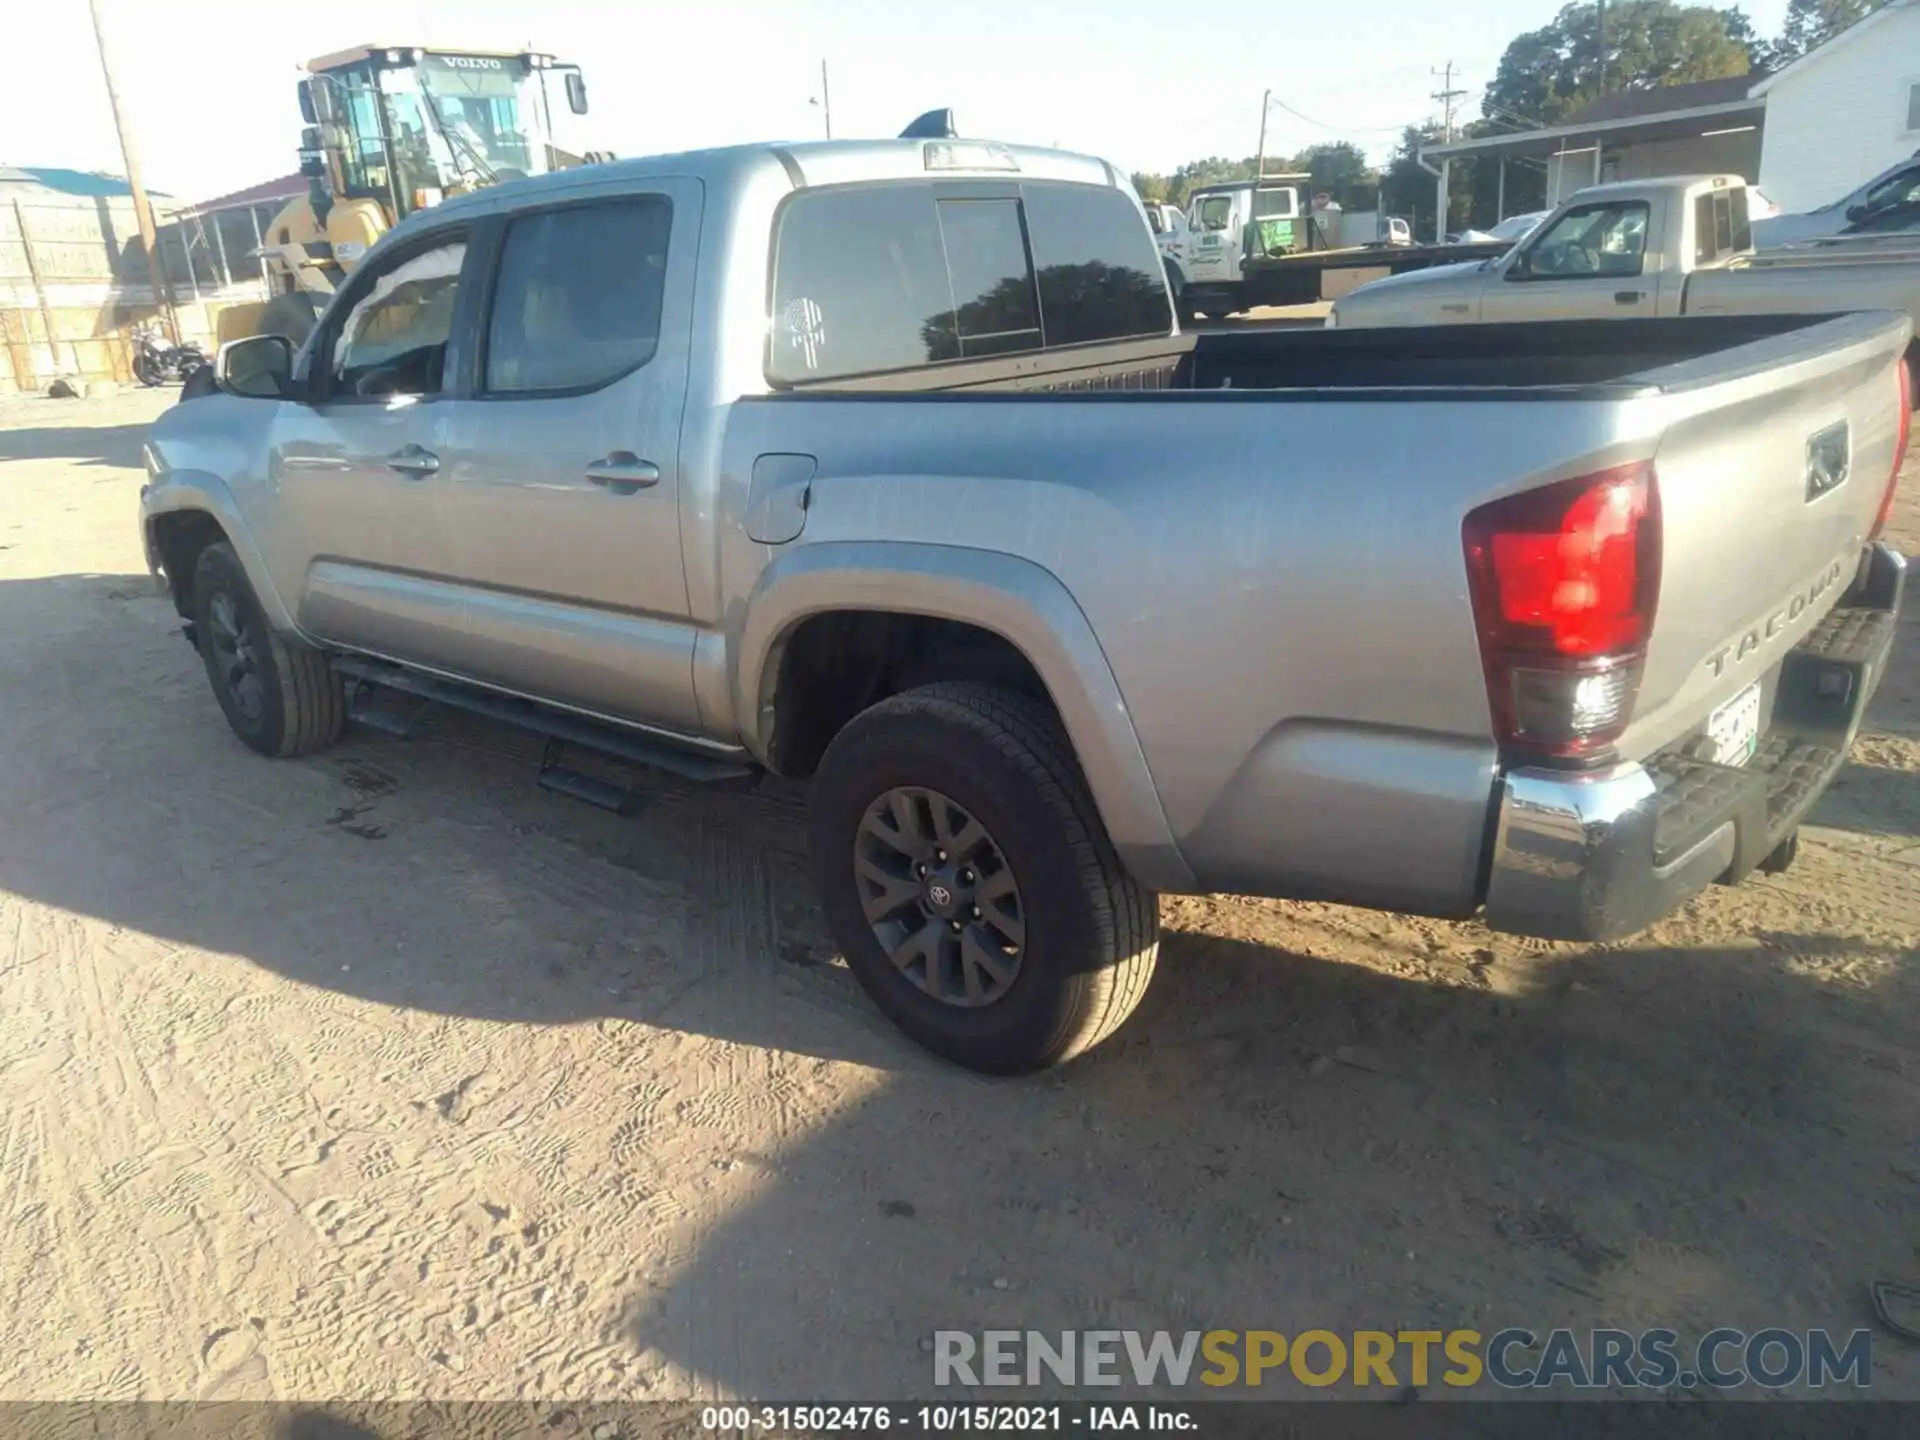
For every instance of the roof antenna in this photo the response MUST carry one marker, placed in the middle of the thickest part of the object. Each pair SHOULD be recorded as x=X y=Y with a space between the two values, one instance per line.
x=934 y=125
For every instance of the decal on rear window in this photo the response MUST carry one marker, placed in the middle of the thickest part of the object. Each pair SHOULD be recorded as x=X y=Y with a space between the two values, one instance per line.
x=805 y=329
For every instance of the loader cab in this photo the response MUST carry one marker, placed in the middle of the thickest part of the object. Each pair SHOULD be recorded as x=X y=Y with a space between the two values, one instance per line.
x=404 y=127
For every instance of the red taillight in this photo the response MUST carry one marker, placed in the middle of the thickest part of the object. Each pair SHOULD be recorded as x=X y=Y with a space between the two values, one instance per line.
x=1564 y=581
x=1900 y=439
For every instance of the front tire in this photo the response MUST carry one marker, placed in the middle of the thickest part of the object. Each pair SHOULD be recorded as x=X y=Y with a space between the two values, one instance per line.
x=281 y=697
x=969 y=881
x=146 y=370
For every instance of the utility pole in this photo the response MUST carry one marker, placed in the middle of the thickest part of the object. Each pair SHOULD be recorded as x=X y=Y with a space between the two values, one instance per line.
x=1447 y=95
x=130 y=157
x=1260 y=155
x=826 y=99
x=1600 y=28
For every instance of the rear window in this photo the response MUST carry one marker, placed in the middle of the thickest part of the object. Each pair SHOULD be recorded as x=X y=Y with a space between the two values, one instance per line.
x=1720 y=225
x=874 y=278
x=1100 y=275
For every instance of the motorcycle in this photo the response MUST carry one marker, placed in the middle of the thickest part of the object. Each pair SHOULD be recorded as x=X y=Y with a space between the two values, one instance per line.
x=155 y=362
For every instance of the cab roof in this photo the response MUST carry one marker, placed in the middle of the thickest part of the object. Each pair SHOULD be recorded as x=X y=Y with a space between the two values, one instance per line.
x=811 y=163
x=354 y=54
x=1221 y=186
x=1662 y=182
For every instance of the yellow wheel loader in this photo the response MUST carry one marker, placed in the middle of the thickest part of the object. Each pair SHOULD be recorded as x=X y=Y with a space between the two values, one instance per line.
x=391 y=130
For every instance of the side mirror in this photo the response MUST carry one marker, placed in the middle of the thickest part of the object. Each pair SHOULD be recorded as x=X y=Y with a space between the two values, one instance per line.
x=257 y=368
x=313 y=164
x=576 y=92
x=1857 y=213
x=308 y=112
x=1521 y=266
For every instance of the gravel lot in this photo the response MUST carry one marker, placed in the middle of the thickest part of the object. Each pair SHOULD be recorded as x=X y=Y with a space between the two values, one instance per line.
x=386 y=1074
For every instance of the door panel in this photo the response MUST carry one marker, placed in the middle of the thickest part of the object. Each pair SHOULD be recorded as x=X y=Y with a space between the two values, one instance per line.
x=1593 y=298
x=561 y=473
x=349 y=510
x=356 y=472
x=1590 y=264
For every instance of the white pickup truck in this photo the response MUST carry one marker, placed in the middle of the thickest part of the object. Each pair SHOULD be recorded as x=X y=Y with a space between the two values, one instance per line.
x=1636 y=250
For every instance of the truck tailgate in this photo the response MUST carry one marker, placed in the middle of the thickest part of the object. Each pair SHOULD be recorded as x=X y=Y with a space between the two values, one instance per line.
x=1773 y=464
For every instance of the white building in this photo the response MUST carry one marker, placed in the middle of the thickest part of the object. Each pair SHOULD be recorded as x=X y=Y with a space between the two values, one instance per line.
x=1841 y=114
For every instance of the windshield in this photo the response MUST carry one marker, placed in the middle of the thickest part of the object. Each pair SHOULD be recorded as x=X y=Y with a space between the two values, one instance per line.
x=1517 y=227
x=1902 y=188
x=465 y=121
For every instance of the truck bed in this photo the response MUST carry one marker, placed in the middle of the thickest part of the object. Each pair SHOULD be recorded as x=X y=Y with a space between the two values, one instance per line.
x=1288 y=507
x=1461 y=360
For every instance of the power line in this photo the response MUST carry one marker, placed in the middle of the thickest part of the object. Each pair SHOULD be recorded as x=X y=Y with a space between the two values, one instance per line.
x=1337 y=129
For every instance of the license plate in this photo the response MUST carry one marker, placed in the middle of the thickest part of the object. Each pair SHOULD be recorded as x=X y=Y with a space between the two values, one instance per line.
x=1734 y=728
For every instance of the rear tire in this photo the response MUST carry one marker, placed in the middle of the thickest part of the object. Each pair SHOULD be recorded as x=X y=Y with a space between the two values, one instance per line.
x=997 y=764
x=281 y=697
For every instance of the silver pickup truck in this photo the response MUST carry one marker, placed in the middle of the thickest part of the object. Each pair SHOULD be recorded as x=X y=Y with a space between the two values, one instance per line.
x=884 y=464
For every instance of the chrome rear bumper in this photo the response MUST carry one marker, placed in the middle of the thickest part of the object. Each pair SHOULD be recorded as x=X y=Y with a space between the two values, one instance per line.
x=1597 y=856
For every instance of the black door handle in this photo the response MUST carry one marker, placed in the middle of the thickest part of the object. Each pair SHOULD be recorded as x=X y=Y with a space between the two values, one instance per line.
x=1628 y=297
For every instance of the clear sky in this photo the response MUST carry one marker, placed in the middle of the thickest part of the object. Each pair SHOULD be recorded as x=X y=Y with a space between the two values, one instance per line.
x=1145 y=83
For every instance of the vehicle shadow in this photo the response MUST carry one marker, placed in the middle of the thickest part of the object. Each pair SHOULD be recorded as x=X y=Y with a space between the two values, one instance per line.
x=1875 y=800
x=117 y=446
x=1333 y=1133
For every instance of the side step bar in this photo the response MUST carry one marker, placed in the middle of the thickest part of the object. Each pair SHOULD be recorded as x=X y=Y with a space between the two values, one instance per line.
x=562 y=730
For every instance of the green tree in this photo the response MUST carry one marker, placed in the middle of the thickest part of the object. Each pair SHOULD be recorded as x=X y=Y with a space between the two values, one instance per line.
x=1341 y=169
x=1811 y=23
x=1548 y=73
x=1152 y=188
x=1406 y=189
x=1760 y=52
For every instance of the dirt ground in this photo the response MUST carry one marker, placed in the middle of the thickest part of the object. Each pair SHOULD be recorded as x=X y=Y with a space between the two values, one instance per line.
x=386 y=1074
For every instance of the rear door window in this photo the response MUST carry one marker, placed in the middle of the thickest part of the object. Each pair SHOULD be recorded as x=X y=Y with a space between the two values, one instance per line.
x=577 y=302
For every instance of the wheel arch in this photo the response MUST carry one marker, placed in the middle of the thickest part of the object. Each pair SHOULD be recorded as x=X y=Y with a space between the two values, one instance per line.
x=1021 y=605
x=184 y=513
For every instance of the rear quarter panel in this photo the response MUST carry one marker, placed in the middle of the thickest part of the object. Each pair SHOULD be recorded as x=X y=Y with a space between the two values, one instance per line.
x=1276 y=583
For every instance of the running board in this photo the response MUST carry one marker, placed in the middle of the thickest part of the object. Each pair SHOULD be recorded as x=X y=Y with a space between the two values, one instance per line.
x=556 y=725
